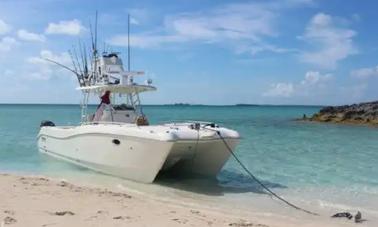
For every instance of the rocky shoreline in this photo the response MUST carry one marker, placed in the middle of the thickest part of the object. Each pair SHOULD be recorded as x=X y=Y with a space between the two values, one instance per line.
x=362 y=113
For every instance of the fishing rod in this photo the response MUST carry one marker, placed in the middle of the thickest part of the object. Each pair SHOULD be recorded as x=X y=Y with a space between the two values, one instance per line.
x=67 y=68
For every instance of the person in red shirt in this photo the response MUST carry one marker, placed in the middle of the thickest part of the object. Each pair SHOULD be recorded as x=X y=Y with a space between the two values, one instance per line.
x=105 y=100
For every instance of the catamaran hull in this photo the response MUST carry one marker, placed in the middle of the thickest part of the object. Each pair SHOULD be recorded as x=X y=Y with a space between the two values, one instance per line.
x=135 y=158
x=205 y=157
x=132 y=158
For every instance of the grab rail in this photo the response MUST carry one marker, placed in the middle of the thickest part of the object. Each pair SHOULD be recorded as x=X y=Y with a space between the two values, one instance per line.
x=108 y=123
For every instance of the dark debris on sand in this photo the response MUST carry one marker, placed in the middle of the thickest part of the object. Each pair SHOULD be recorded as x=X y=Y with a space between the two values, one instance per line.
x=9 y=220
x=63 y=213
x=244 y=223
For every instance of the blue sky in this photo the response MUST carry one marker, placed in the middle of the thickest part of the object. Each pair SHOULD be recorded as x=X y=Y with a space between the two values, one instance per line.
x=200 y=51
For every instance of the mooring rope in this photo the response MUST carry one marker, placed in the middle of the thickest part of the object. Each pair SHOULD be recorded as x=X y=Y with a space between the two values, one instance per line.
x=253 y=177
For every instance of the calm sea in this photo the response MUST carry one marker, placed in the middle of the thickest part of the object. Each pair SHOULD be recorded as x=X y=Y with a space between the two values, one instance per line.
x=324 y=167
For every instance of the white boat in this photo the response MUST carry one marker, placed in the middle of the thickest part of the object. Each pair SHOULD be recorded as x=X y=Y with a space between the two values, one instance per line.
x=121 y=142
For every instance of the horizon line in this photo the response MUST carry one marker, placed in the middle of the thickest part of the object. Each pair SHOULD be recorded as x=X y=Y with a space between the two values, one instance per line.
x=176 y=104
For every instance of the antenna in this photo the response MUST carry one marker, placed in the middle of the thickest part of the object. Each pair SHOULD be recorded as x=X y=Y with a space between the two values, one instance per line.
x=92 y=38
x=95 y=50
x=85 y=60
x=95 y=38
x=128 y=42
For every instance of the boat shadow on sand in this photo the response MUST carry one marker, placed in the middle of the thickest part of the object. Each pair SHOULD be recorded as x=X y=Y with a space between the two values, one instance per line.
x=226 y=182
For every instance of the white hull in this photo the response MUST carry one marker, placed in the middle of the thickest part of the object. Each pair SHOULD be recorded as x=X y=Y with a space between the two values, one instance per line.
x=141 y=152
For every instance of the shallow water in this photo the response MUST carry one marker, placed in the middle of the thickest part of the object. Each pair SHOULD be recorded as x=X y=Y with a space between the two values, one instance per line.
x=324 y=167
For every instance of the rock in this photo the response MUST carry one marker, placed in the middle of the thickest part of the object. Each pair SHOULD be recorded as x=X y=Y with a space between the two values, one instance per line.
x=362 y=113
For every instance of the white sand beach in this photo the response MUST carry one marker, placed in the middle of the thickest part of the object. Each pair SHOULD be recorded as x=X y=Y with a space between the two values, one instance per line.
x=41 y=201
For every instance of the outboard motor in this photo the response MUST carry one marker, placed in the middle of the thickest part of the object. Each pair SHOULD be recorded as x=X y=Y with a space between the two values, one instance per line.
x=47 y=124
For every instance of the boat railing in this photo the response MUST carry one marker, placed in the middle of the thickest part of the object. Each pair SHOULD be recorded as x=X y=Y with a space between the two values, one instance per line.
x=170 y=123
x=108 y=123
x=185 y=122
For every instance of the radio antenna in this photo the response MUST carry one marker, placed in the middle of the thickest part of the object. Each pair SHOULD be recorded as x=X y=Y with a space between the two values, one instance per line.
x=95 y=38
x=128 y=42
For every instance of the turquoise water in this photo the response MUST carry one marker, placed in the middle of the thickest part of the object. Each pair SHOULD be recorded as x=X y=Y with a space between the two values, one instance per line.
x=328 y=166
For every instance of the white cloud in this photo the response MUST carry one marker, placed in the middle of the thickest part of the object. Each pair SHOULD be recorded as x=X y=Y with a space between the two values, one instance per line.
x=7 y=43
x=71 y=27
x=313 y=77
x=231 y=22
x=7 y=73
x=332 y=42
x=280 y=90
x=365 y=73
x=42 y=74
x=134 y=21
x=4 y=27
x=140 y=14
x=63 y=58
x=43 y=69
x=241 y=26
x=29 y=36
x=146 y=41
x=313 y=80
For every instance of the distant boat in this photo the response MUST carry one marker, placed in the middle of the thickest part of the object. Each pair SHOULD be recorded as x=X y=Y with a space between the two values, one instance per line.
x=120 y=141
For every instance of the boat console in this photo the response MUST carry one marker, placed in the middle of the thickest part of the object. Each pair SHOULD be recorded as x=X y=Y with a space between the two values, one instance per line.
x=121 y=116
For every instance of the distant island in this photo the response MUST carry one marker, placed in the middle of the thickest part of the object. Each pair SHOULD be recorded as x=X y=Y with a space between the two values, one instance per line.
x=181 y=104
x=245 y=104
x=362 y=113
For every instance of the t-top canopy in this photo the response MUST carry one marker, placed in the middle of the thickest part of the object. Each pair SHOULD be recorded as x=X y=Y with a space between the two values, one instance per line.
x=118 y=88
